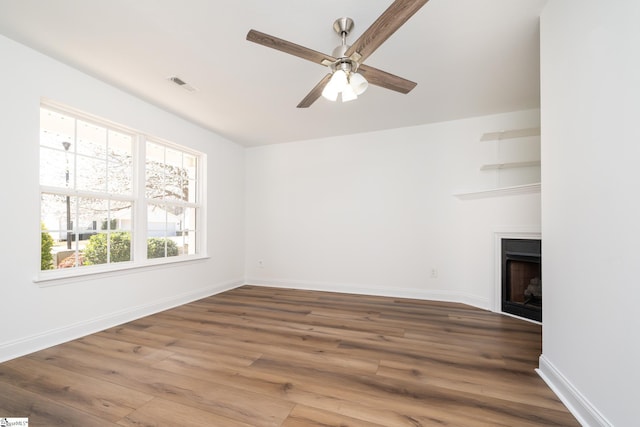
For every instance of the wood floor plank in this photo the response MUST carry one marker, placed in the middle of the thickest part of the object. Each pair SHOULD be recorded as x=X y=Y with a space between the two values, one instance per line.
x=401 y=398
x=258 y=356
x=161 y=412
x=304 y=416
x=231 y=402
x=15 y=402
x=518 y=388
x=101 y=398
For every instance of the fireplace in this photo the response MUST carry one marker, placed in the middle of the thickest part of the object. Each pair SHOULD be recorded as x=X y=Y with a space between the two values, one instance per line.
x=522 y=278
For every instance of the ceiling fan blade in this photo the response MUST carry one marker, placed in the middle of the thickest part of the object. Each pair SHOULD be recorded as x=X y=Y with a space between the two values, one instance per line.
x=315 y=92
x=386 y=80
x=391 y=19
x=288 y=47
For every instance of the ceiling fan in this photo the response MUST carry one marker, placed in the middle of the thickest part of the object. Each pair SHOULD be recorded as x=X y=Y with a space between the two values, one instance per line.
x=349 y=76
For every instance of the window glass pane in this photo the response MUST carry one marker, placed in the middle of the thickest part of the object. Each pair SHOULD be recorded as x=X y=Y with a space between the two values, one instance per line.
x=100 y=222
x=92 y=140
x=57 y=222
x=69 y=259
x=175 y=188
x=96 y=250
x=188 y=245
x=91 y=174
x=190 y=164
x=190 y=191
x=175 y=176
x=53 y=215
x=185 y=231
x=172 y=248
x=156 y=247
x=156 y=221
x=119 y=247
x=120 y=216
x=120 y=163
x=53 y=168
x=173 y=158
x=163 y=234
x=91 y=212
x=154 y=171
x=47 y=255
x=155 y=152
x=55 y=128
x=120 y=145
x=120 y=178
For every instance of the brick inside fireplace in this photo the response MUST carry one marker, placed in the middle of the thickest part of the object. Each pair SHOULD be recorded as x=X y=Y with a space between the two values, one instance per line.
x=522 y=278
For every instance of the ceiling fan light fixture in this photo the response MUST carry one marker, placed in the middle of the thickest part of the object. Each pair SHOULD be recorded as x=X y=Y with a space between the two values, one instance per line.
x=339 y=80
x=348 y=94
x=358 y=83
x=329 y=93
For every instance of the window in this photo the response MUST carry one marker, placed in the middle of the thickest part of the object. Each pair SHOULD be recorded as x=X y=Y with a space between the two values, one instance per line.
x=112 y=196
x=170 y=192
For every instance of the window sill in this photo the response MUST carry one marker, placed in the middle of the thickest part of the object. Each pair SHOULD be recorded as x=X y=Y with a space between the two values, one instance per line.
x=71 y=275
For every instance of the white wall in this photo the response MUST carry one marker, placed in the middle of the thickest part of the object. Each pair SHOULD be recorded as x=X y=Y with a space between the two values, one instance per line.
x=33 y=316
x=375 y=213
x=590 y=52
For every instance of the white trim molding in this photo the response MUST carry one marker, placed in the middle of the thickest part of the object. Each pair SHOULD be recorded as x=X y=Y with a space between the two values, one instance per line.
x=359 y=289
x=578 y=405
x=23 y=346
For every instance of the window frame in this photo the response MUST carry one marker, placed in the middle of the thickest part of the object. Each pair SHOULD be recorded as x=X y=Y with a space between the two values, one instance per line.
x=138 y=199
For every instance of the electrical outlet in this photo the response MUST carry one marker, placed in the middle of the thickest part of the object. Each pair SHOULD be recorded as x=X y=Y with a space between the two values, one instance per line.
x=434 y=273
x=260 y=263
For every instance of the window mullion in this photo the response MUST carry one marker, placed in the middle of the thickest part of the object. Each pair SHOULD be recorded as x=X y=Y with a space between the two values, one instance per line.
x=140 y=208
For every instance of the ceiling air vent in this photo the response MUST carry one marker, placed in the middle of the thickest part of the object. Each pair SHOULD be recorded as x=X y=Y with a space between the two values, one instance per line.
x=184 y=85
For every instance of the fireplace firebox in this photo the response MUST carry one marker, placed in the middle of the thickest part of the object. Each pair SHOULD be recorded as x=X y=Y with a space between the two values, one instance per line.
x=522 y=278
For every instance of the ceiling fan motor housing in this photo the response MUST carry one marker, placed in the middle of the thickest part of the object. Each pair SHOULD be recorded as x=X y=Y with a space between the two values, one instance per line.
x=343 y=27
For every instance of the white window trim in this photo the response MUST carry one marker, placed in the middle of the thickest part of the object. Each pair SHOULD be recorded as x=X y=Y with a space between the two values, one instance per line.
x=71 y=275
x=139 y=250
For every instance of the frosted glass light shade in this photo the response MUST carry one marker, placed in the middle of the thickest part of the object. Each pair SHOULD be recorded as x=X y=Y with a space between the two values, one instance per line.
x=329 y=92
x=358 y=83
x=348 y=94
x=338 y=80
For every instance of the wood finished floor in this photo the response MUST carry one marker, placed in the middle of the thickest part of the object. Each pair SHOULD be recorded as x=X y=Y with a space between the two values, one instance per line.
x=275 y=357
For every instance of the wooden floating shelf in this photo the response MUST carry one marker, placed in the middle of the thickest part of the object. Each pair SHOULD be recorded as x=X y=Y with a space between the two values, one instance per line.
x=510 y=134
x=510 y=165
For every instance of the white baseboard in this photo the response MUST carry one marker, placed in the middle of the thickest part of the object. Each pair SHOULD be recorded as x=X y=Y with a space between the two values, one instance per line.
x=578 y=405
x=23 y=346
x=424 y=294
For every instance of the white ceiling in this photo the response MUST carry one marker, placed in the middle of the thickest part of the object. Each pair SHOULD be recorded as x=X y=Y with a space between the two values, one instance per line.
x=469 y=58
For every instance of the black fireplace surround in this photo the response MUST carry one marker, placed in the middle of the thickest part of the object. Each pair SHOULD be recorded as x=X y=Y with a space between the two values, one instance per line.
x=522 y=278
